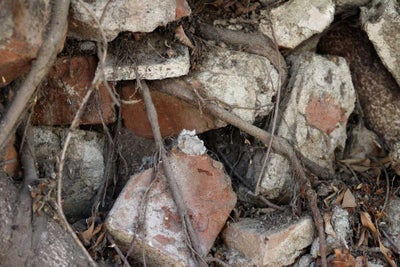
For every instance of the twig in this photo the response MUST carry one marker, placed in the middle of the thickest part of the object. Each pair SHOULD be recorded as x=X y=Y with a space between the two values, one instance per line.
x=255 y=43
x=194 y=241
x=119 y=252
x=280 y=145
x=60 y=164
x=387 y=183
x=40 y=67
x=275 y=119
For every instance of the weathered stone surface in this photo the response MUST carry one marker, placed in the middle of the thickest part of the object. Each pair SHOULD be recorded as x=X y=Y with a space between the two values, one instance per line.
x=377 y=90
x=321 y=100
x=83 y=169
x=227 y=76
x=382 y=24
x=119 y=16
x=174 y=114
x=269 y=244
x=62 y=93
x=393 y=218
x=47 y=243
x=297 y=20
x=205 y=188
x=154 y=60
x=340 y=231
x=23 y=24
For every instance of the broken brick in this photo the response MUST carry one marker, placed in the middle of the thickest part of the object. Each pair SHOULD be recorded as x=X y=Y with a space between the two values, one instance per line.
x=173 y=114
x=206 y=190
x=271 y=243
x=61 y=94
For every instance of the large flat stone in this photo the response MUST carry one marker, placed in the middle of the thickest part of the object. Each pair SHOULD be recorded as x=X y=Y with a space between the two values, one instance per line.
x=119 y=16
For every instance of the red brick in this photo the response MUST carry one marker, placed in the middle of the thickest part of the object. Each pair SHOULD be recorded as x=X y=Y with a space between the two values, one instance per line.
x=62 y=92
x=22 y=28
x=173 y=114
x=206 y=190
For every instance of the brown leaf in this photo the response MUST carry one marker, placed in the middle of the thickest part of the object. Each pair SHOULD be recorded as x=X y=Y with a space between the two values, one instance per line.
x=87 y=235
x=349 y=201
x=182 y=37
x=387 y=254
x=328 y=226
x=367 y=222
x=342 y=259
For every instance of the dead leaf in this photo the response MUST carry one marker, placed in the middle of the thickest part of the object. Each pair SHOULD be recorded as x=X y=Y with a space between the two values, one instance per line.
x=340 y=197
x=87 y=235
x=182 y=37
x=349 y=201
x=387 y=254
x=367 y=222
x=328 y=226
x=342 y=259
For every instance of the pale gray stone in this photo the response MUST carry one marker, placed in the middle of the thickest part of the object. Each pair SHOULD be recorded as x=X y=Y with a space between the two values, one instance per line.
x=83 y=169
x=297 y=20
x=118 y=16
x=321 y=100
x=243 y=81
x=382 y=23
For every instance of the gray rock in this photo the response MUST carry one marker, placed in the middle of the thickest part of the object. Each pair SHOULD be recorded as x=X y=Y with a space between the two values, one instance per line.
x=298 y=20
x=243 y=81
x=393 y=218
x=84 y=165
x=47 y=243
x=322 y=98
x=382 y=23
x=118 y=16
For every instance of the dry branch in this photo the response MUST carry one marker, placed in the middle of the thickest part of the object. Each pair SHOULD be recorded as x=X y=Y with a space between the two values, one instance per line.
x=45 y=59
x=279 y=145
x=194 y=241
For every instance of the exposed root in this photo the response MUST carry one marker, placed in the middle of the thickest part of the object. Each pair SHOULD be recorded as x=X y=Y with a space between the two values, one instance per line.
x=279 y=145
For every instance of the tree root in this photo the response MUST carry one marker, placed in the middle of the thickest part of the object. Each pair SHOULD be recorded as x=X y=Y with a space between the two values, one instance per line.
x=46 y=57
x=183 y=90
x=194 y=242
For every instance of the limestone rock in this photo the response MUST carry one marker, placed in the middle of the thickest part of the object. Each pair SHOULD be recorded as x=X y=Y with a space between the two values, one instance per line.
x=382 y=24
x=297 y=20
x=321 y=100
